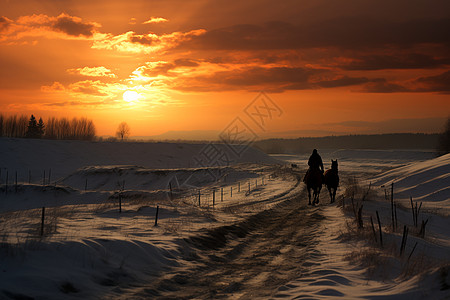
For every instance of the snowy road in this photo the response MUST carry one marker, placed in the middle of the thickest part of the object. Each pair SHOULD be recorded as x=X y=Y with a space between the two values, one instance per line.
x=248 y=260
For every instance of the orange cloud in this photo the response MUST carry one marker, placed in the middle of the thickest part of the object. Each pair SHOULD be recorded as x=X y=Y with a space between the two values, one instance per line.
x=155 y=20
x=56 y=86
x=152 y=69
x=143 y=43
x=5 y=23
x=69 y=25
x=93 y=72
x=63 y=26
x=197 y=75
x=96 y=88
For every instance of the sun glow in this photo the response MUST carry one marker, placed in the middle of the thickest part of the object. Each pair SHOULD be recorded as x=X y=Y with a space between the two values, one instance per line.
x=130 y=96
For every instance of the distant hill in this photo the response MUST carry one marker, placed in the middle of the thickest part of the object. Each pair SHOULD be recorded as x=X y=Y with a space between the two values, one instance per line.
x=375 y=141
x=183 y=135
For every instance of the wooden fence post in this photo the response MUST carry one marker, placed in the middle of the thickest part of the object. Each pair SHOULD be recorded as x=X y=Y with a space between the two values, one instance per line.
x=373 y=230
x=120 y=202
x=395 y=215
x=417 y=214
x=379 y=228
x=404 y=238
x=360 y=221
x=422 y=228
x=156 y=215
x=412 y=251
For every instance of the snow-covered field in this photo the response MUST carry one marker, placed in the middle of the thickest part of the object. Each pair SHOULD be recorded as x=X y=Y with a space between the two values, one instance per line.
x=251 y=235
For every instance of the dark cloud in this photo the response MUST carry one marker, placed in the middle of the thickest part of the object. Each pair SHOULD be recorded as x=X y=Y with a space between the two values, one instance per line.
x=259 y=75
x=343 y=81
x=184 y=62
x=274 y=79
x=381 y=85
x=88 y=87
x=141 y=39
x=273 y=35
x=4 y=23
x=345 y=32
x=152 y=69
x=73 y=26
x=400 y=61
x=438 y=83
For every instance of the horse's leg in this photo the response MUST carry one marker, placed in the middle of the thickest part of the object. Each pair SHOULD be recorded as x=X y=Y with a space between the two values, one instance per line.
x=316 y=195
x=334 y=194
x=331 y=194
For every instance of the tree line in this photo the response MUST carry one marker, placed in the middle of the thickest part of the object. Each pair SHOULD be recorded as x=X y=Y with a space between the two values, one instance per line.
x=372 y=141
x=54 y=128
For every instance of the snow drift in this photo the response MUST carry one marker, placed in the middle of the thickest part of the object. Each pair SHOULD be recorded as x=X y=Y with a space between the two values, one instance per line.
x=427 y=181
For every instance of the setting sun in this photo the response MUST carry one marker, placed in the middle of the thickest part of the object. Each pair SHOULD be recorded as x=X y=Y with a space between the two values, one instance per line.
x=130 y=96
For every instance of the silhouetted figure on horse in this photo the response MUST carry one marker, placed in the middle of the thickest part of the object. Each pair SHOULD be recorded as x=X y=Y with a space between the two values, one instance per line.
x=332 y=179
x=314 y=177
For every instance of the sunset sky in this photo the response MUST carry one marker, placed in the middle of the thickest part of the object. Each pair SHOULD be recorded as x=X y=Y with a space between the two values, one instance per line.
x=330 y=67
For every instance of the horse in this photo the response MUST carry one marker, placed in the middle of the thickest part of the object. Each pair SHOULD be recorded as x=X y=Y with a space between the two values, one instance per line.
x=313 y=180
x=332 y=179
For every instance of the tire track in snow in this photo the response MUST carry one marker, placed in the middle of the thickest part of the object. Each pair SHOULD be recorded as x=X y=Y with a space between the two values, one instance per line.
x=246 y=260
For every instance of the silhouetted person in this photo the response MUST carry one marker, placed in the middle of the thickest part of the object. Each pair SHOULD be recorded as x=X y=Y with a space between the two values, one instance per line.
x=314 y=163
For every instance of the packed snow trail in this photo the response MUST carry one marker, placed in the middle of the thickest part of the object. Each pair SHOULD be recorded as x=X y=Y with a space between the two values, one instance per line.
x=247 y=260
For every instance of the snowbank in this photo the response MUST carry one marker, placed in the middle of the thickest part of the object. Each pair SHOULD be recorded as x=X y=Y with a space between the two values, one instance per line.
x=427 y=181
x=32 y=157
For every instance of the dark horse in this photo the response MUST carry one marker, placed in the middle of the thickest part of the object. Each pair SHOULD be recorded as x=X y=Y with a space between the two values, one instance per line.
x=313 y=180
x=332 y=179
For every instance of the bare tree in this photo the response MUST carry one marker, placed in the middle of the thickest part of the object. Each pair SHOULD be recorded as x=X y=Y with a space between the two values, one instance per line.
x=14 y=126
x=123 y=131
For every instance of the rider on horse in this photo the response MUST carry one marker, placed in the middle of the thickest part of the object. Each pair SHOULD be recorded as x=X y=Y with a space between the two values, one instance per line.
x=314 y=163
